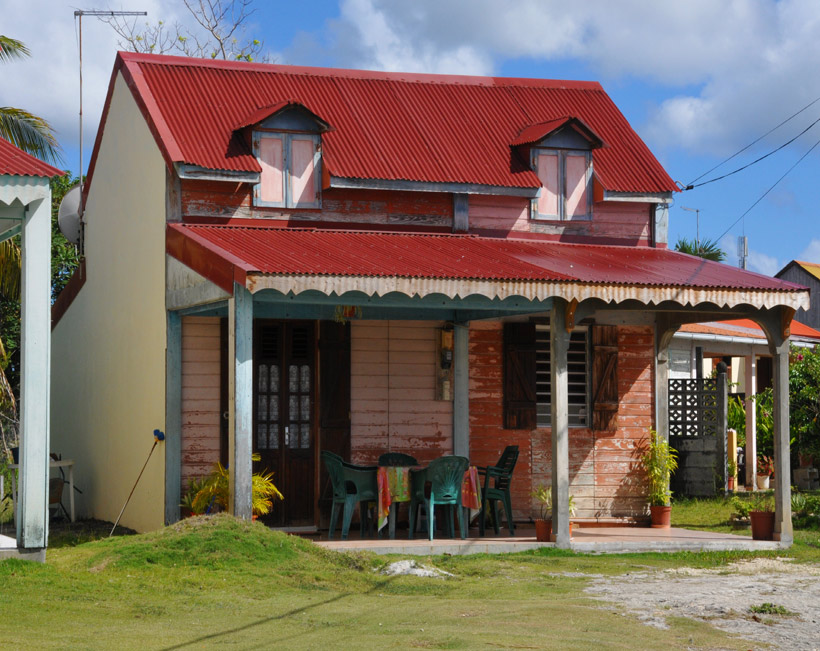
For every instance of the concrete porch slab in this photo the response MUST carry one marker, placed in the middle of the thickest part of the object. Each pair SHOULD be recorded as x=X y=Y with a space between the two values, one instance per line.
x=8 y=549
x=594 y=540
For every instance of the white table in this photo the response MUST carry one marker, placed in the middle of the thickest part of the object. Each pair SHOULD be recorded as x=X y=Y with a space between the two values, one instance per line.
x=62 y=463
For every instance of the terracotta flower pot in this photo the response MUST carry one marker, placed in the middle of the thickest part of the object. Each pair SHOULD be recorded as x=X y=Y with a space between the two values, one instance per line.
x=661 y=516
x=763 y=482
x=543 y=530
x=730 y=483
x=762 y=525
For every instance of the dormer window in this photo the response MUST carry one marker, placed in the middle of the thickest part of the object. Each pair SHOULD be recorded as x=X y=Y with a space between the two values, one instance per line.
x=287 y=142
x=560 y=154
x=566 y=184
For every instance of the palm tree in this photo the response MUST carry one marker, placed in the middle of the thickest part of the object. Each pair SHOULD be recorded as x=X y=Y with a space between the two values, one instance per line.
x=706 y=249
x=27 y=131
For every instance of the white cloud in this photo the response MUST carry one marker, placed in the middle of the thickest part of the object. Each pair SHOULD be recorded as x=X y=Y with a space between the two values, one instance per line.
x=744 y=64
x=764 y=264
x=811 y=253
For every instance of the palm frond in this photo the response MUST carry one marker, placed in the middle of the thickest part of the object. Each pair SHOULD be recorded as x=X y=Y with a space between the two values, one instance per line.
x=30 y=133
x=11 y=48
x=9 y=270
x=706 y=249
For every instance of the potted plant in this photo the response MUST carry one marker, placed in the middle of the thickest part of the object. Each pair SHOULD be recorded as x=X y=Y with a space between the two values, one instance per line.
x=187 y=505
x=730 y=480
x=761 y=516
x=765 y=467
x=215 y=491
x=659 y=461
x=543 y=524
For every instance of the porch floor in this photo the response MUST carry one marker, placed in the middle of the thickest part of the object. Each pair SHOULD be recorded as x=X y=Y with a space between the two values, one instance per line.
x=584 y=539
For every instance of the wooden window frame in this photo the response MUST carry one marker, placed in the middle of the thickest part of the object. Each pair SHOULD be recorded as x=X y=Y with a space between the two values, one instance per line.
x=562 y=154
x=287 y=189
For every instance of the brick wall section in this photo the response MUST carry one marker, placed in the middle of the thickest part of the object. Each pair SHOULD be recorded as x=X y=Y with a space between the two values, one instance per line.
x=604 y=478
x=392 y=386
x=200 y=396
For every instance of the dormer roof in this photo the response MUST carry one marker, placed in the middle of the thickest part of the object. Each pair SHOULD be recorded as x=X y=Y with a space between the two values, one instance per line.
x=265 y=112
x=536 y=133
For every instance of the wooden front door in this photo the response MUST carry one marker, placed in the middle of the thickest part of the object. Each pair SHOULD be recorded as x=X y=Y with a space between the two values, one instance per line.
x=284 y=432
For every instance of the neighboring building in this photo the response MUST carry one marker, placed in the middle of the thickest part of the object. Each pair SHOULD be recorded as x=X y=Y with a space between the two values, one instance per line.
x=283 y=260
x=808 y=275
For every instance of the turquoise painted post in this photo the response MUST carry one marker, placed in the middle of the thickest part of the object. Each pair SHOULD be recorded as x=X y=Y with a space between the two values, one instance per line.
x=559 y=407
x=35 y=381
x=240 y=448
x=173 y=417
x=461 y=390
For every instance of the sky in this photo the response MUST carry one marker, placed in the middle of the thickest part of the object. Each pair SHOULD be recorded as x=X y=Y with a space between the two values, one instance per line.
x=698 y=80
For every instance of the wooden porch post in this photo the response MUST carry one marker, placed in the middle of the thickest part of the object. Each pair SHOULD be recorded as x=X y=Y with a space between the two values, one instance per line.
x=35 y=381
x=750 y=380
x=461 y=390
x=665 y=329
x=559 y=408
x=240 y=399
x=776 y=322
x=173 y=417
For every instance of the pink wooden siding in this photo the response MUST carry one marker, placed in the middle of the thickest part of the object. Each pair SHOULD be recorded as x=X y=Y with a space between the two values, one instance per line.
x=302 y=173
x=498 y=213
x=393 y=389
x=605 y=479
x=621 y=220
x=271 y=160
x=200 y=395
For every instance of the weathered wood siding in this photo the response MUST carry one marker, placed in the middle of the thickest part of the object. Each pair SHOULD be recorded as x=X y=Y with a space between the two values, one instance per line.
x=379 y=208
x=393 y=406
x=200 y=396
x=605 y=478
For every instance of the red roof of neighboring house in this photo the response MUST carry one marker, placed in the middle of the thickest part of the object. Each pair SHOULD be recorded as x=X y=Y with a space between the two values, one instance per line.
x=15 y=162
x=746 y=328
x=391 y=126
x=266 y=250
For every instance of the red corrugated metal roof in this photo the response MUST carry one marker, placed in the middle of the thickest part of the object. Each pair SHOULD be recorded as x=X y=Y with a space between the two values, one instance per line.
x=16 y=162
x=365 y=253
x=394 y=126
x=536 y=132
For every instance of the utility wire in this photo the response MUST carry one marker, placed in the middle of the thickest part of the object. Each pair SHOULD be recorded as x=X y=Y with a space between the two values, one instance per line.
x=740 y=169
x=754 y=142
x=748 y=210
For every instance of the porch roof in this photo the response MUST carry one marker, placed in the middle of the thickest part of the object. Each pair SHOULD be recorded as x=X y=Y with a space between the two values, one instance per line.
x=337 y=261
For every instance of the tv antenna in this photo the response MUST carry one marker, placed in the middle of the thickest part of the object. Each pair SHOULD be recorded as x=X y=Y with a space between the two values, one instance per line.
x=697 y=224
x=78 y=16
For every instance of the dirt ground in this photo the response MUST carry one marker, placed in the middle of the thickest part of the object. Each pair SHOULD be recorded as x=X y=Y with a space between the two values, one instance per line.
x=724 y=598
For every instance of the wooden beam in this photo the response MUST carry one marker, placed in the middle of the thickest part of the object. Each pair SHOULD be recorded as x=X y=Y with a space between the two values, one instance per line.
x=240 y=400
x=571 y=307
x=173 y=417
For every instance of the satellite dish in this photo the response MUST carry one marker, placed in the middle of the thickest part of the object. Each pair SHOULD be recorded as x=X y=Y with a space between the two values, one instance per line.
x=68 y=215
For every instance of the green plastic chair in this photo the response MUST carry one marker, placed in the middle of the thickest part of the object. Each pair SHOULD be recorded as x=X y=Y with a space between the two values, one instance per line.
x=397 y=460
x=351 y=484
x=499 y=491
x=439 y=484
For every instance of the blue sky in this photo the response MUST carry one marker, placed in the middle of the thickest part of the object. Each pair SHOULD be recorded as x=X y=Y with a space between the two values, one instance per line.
x=698 y=80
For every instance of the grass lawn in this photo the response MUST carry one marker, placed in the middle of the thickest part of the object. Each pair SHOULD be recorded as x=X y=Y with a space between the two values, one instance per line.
x=219 y=582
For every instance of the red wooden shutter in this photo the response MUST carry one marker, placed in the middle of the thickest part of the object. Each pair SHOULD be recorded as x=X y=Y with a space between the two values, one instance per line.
x=604 y=377
x=519 y=376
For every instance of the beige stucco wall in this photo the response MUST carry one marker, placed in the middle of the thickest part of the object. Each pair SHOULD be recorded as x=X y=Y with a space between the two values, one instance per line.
x=108 y=350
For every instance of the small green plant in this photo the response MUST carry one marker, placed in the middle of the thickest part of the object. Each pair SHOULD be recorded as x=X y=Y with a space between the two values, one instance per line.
x=765 y=465
x=740 y=508
x=768 y=608
x=732 y=467
x=659 y=461
x=543 y=495
x=195 y=484
x=800 y=504
x=216 y=491
x=762 y=502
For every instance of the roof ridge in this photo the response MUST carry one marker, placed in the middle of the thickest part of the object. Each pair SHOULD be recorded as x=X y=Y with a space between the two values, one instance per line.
x=353 y=73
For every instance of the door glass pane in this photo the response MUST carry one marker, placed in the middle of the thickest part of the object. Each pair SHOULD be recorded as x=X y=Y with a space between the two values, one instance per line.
x=293 y=437
x=305 y=384
x=274 y=408
x=274 y=378
x=293 y=407
x=306 y=408
x=305 y=440
x=274 y=436
x=263 y=378
x=293 y=378
x=262 y=408
x=262 y=436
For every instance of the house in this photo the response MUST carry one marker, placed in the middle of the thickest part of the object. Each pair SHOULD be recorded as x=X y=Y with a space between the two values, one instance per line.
x=25 y=209
x=285 y=260
x=808 y=275
x=742 y=344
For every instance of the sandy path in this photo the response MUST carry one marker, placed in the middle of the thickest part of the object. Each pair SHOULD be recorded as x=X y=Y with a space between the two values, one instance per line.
x=723 y=597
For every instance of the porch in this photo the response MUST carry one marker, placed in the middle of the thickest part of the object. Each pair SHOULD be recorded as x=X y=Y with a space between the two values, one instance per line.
x=585 y=539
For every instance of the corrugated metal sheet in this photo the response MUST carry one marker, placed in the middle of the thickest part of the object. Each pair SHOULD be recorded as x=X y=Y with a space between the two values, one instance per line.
x=812 y=267
x=411 y=255
x=393 y=126
x=16 y=162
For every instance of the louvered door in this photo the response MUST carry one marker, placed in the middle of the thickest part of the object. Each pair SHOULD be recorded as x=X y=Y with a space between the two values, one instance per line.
x=284 y=416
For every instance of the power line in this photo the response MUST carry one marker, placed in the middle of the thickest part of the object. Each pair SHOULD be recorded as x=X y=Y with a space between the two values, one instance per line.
x=754 y=142
x=800 y=160
x=740 y=169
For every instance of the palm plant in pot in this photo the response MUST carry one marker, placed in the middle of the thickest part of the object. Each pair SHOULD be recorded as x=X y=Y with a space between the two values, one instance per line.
x=659 y=461
x=543 y=524
x=215 y=491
